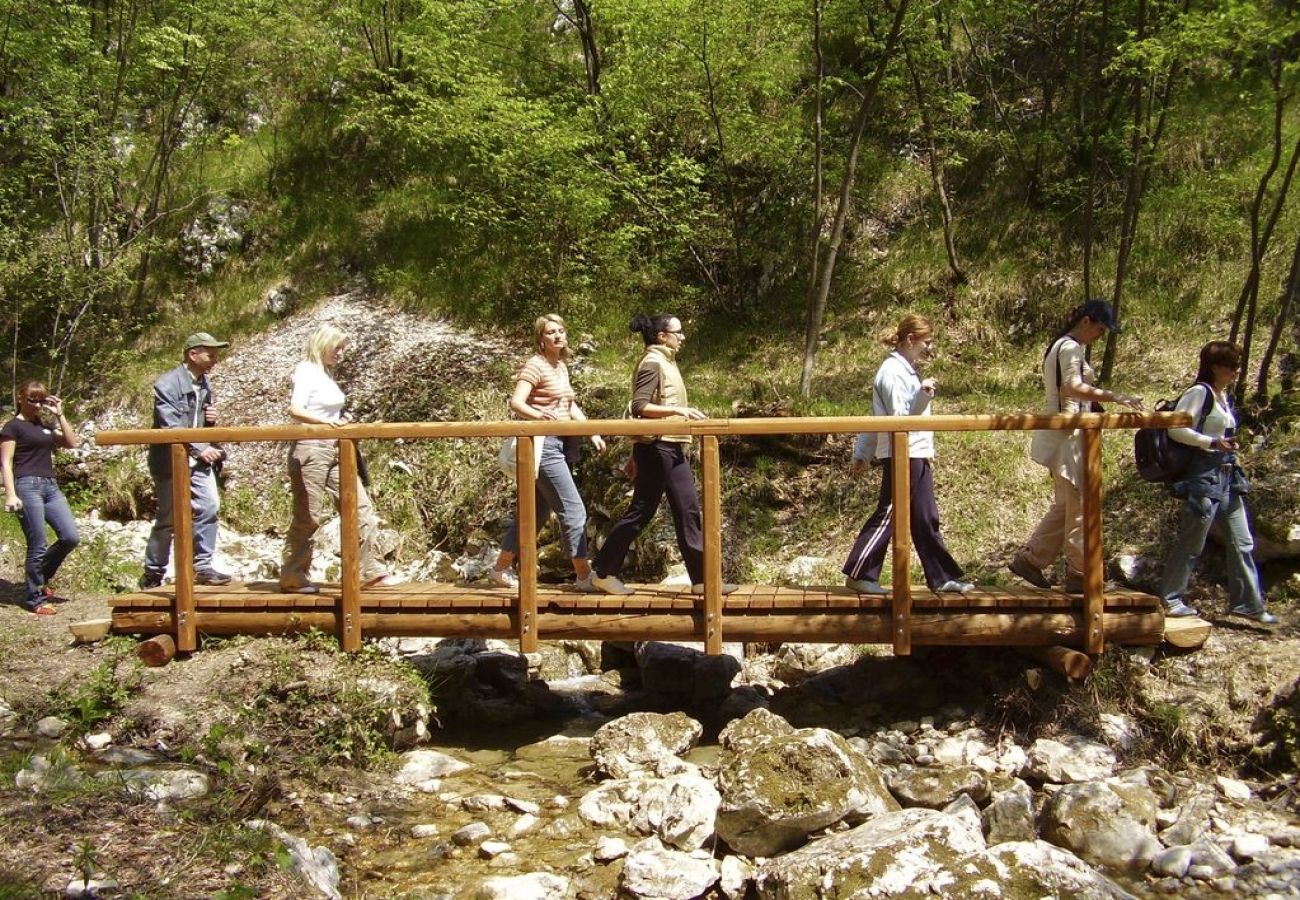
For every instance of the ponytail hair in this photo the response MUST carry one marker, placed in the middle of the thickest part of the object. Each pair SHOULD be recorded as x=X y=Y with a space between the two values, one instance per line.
x=1217 y=353
x=650 y=326
x=909 y=325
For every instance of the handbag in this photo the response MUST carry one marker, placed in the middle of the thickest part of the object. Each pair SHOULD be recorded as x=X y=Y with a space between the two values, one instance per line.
x=508 y=458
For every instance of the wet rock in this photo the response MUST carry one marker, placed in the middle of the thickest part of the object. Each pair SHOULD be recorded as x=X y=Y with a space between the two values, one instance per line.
x=644 y=744
x=1039 y=869
x=127 y=756
x=472 y=834
x=779 y=789
x=667 y=875
x=936 y=788
x=421 y=769
x=757 y=727
x=1071 y=760
x=533 y=886
x=483 y=802
x=317 y=865
x=608 y=849
x=492 y=849
x=96 y=742
x=681 y=811
x=524 y=824
x=1246 y=847
x=1233 y=789
x=793 y=663
x=735 y=876
x=424 y=830
x=1105 y=822
x=1010 y=815
x=685 y=671
x=360 y=822
x=52 y=727
x=162 y=785
x=742 y=700
x=912 y=852
x=1172 y=862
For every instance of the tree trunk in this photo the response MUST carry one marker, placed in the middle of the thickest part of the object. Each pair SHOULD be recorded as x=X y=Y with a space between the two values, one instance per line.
x=815 y=234
x=936 y=173
x=817 y=303
x=1286 y=303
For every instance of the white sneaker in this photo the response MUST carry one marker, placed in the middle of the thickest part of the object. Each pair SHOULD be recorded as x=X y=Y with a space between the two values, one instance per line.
x=386 y=580
x=504 y=578
x=584 y=585
x=866 y=586
x=727 y=588
x=610 y=584
x=954 y=587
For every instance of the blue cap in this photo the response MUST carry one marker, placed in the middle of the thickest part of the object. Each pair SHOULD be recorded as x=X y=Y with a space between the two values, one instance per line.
x=1100 y=311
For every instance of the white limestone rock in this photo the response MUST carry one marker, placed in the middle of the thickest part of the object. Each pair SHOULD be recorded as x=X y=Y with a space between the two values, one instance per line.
x=1071 y=760
x=533 y=886
x=664 y=874
x=1108 y=823
x=681 y=811
x=644 y=743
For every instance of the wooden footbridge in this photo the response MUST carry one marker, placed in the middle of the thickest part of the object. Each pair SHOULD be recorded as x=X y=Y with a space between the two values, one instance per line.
x=910 y=616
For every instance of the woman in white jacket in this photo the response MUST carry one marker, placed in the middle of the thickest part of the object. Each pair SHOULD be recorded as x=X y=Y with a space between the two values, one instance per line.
x=1068 y=388
x=1213 y=489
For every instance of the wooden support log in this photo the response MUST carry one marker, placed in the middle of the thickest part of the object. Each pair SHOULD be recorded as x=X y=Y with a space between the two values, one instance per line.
x=157 y=651
x=712 y=516
x=902 y=513
x=182 y=550
x=347 y=624
x=1062 y=660
x=1092 y=556
x=526 y=464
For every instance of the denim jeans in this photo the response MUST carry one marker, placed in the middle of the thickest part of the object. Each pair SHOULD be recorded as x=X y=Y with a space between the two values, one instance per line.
x=555 y=491
x=1229 y=519
x=44 y=502
x=205 y=503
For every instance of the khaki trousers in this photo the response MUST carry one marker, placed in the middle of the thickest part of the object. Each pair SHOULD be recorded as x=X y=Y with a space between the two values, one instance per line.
x=314 y=479
x=1061 y=529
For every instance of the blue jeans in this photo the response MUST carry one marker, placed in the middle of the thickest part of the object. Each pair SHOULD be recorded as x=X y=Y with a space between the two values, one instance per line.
x=555 y=491
x=205 y=502
x=1230 y=520
x=44 y=502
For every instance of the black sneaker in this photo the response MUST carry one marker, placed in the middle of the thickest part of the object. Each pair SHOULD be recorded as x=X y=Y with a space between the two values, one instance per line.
x=150 y=580
x=212 y=577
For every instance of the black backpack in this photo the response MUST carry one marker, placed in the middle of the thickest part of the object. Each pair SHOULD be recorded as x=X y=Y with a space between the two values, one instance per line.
x=1159 y=457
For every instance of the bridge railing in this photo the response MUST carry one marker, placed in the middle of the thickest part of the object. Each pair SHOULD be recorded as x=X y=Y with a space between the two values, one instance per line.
x=348 y=609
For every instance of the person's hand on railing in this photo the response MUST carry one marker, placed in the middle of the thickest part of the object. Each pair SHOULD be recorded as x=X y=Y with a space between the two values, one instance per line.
x=1132 y=401
x=690 y=412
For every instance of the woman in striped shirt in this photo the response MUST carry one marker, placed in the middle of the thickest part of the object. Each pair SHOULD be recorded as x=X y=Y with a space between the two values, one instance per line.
x=542 y=392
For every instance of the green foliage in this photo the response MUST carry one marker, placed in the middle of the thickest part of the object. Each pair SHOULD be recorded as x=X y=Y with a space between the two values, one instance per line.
x=103 y=691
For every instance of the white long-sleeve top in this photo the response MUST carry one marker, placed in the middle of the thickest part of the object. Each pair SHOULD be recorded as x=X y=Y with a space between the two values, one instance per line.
x=897 y=392
x=1217 y=421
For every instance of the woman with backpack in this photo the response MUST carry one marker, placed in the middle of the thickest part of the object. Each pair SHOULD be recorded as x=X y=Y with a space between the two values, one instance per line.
x=1213 y=489
x=1068 y=388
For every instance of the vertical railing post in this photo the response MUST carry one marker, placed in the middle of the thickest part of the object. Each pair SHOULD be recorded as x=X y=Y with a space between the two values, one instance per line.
x=526 y=479
x=712 y=472
x=183 y=550
x=1094 y=634
x=348 y=613
x=902 y=490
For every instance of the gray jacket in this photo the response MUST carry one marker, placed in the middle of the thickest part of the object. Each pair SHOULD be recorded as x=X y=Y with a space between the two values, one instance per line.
x=178 y=402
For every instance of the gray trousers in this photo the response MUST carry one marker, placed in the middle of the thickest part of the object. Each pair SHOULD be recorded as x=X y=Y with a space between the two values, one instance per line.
x=314 y=479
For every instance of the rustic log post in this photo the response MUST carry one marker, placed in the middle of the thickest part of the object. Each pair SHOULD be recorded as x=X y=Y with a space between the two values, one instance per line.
x=348 y=611
x=902 y=612
x=712 y=473
x=1062 y=660
x=1095 y=635
x=183 y=550
x=157 y=651
x=526 y=478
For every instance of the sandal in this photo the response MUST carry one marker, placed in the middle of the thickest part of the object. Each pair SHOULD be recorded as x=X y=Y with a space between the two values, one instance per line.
x=44 y=609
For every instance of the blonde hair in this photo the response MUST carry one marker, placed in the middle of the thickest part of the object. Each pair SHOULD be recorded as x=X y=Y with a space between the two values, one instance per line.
x=540 y=326
x=322 y=341
x=909 y=325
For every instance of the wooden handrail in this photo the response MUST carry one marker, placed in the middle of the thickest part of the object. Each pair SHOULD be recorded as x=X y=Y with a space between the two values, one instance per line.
x=348 y=612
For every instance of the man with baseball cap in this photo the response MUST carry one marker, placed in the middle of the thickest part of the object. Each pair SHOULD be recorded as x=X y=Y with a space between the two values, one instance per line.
x=182 y=398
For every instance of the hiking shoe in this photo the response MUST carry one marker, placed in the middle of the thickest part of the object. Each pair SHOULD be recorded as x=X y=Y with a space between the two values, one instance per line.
x=1177 y=609
x=584 y=585
x=954 y=587
x=866 y=586
x=212 y=576
x=727 y=588
x=610 y=584
x=42 y=609
x=1023 y=568
x=1256 y=613
x=505 y=578
x=150 y=580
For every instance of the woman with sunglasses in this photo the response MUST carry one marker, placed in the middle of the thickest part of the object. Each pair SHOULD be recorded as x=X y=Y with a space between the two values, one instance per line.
x=659 y=465
x=27 y=445
x=1213 y=489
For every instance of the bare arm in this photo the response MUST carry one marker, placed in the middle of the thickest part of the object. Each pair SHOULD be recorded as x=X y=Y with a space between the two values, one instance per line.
x=67 y=433
x=12 y=503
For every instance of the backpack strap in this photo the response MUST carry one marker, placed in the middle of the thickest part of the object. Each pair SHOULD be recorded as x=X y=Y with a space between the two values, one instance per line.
x=1056 y=345
x=1206 y=405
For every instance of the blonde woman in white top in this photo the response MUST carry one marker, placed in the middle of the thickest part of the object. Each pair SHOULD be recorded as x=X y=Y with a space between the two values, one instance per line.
x=314 y=468
x=1213 y=489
